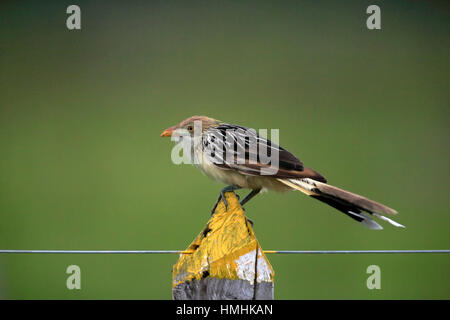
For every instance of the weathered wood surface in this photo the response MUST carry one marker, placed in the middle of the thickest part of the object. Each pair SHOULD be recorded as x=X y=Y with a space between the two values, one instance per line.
x=226 y=261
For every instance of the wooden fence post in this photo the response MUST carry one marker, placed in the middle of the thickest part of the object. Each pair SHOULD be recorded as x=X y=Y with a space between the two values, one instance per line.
x=225 y=261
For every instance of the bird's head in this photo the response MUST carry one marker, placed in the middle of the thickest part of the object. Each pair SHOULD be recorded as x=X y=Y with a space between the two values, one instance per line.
x=190 y=124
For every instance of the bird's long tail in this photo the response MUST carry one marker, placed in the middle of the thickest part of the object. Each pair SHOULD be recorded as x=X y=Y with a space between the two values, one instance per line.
x=353 y=205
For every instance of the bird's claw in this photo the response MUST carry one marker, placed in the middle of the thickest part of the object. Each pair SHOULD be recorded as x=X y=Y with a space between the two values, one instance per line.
x=222 y=197
x=225 y=202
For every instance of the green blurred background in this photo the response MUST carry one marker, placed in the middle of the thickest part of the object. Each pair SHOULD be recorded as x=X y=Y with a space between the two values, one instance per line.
x=82 y=164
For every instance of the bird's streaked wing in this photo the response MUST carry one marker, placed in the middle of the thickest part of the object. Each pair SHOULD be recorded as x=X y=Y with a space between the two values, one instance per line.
x=234 y=147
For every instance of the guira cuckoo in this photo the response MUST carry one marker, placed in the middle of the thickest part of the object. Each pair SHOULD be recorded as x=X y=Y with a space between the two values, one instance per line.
x=231 y=154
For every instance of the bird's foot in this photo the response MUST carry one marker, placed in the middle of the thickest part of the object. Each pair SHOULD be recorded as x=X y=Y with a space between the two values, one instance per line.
x=222 y=197
x=249 y=220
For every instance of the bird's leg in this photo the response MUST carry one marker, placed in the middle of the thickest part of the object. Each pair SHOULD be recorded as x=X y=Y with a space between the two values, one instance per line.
x=250 y=196
x=222 y=196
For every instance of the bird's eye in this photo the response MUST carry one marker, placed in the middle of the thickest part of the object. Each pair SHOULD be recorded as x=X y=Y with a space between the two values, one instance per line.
x=190 y=128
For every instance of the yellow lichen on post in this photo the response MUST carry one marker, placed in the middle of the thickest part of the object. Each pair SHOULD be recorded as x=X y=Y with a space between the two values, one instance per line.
x=225 y=260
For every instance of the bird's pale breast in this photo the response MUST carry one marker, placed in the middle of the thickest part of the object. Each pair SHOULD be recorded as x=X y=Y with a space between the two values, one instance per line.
x=234 y=177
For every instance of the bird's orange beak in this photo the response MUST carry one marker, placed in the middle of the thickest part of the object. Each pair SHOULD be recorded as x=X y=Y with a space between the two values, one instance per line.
x=168 y=132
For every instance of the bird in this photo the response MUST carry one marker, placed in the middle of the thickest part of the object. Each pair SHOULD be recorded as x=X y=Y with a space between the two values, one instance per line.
x=208 y=141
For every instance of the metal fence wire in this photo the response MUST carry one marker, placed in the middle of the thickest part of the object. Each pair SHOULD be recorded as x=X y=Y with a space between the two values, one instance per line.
x=190 y=252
